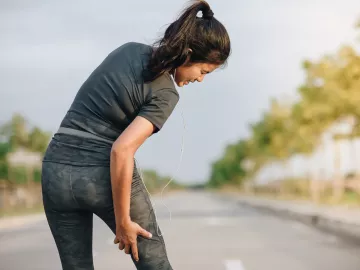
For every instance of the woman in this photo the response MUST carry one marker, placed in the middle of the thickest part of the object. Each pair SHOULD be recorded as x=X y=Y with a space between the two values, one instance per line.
x=89 y=166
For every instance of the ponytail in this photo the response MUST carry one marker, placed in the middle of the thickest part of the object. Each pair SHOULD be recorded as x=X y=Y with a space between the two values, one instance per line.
x=205 y=36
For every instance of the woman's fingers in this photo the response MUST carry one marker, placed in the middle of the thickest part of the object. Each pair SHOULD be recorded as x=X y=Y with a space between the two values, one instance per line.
x=128 y=241
x=127 y=248
x=121 y=245
x=135 y=251
x=116 y=240
x=144 y=233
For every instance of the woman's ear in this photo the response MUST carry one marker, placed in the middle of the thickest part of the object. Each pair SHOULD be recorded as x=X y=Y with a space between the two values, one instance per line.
x=188 y=57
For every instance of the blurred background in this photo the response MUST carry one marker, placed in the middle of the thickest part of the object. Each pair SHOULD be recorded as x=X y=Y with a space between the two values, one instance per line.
x=278 y=128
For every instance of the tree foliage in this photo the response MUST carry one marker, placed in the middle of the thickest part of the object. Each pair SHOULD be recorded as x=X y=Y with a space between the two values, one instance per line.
x=330 y=92
x=16 y=133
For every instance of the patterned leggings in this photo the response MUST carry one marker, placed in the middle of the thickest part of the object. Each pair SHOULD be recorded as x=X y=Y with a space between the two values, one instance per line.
x=72 y=194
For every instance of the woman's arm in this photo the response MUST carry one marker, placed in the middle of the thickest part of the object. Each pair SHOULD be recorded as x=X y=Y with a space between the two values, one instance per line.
x=121 y=171
x=122 y=164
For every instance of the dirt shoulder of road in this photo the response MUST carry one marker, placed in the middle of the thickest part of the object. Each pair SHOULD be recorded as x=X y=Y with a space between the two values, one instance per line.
x=14 y=222
x=343 y=220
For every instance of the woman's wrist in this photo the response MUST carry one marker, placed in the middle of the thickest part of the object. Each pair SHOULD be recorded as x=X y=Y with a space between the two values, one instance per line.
x=124 y=220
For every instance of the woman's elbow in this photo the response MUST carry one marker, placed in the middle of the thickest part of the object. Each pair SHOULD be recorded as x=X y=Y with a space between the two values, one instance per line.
x=120 y=151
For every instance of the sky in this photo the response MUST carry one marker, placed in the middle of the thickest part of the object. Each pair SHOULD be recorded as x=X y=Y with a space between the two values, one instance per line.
x=48 y=49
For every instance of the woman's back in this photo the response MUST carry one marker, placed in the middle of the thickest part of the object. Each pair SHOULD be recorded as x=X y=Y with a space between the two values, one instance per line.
x=108 y=101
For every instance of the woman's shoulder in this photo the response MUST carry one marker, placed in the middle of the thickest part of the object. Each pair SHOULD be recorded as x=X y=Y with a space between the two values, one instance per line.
x=132 y=53
x=136 y=44
x=133 y=46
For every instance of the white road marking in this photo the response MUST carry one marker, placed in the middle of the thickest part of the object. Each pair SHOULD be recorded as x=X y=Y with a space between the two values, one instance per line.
x=219 y=221
x=234 y=265
x=213 y=221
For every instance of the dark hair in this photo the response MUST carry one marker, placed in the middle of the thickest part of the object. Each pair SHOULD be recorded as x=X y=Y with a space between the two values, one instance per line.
x=205 y=36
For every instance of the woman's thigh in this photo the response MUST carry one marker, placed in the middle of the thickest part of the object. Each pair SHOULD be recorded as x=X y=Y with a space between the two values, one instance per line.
x=152 y=252
x=72 y=232
x=70 y=225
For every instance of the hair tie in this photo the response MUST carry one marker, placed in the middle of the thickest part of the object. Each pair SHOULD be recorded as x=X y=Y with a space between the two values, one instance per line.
x=208 y=14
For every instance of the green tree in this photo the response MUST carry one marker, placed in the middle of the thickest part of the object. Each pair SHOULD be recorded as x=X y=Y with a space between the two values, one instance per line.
x=228 y=169
x=331 y=93
x=16 y=133
x=38 y=140
x=4 y=150
x=156 y=183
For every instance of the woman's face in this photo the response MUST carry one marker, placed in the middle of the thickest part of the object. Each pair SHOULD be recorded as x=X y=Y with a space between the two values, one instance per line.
x=187 y=73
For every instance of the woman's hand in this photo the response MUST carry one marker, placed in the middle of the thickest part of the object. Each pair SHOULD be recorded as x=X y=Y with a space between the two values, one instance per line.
x=126 y=236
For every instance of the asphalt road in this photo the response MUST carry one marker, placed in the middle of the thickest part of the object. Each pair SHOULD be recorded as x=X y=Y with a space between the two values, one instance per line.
x=204 y=232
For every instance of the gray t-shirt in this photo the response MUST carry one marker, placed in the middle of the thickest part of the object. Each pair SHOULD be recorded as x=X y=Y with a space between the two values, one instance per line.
x=108 y=101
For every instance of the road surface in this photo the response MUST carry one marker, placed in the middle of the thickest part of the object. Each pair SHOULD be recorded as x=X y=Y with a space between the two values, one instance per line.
x=204 y=232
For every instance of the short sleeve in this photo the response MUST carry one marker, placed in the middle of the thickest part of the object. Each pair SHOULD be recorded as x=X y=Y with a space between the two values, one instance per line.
x=160 y=106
